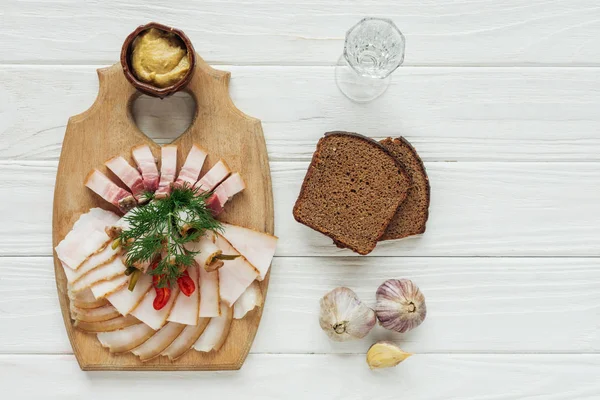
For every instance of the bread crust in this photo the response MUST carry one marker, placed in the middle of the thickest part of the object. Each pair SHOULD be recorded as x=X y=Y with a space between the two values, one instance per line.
x=402 y=141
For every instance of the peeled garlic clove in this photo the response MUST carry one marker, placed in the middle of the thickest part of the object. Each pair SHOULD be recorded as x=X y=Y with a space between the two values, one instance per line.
x=385 y=355
x=400 y=305
x=344 y=317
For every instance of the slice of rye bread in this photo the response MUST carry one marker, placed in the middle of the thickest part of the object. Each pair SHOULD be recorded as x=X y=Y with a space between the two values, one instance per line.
x=411 y=217
x=351 y=190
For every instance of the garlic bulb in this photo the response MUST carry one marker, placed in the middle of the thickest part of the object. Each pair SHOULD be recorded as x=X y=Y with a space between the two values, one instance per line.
x=344 y=317
x=400 y=305
x=385 y=355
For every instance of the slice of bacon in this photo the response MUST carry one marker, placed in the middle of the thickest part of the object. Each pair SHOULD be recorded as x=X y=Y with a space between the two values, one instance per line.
x=224 y=192
x=158 y=342
x=105 y=272
x=168 y=169
x=99 y=314
x=217 y=174
x=106 y=326
x=105 y=288
x=248 y=301
x=146 y=163
x=86 y=238
x=216 y=332
x=146 y=313
x=99 y=259
x=209 y=294
x=257 y=247
x=191 y=168
x=109 y=191
x=125 y=339
x=126 y=300
x=129 y=176
x=235 y=275
x=185 y=310
x=185 y=340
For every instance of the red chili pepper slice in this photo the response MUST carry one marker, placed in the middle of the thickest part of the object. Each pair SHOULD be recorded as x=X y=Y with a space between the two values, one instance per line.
x=162 y=298
x=186 y=284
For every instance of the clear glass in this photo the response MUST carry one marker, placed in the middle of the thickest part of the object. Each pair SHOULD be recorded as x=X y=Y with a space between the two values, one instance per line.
x=373 y=49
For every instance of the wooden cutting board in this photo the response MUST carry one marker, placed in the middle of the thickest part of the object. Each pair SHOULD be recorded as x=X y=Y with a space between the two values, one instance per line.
x=107 y=129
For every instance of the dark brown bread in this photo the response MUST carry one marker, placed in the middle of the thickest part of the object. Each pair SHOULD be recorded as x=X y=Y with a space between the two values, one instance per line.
x=351 y=191
x=411 y=217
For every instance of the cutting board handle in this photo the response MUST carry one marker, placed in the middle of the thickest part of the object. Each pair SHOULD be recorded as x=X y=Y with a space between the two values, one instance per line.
x=209 y=88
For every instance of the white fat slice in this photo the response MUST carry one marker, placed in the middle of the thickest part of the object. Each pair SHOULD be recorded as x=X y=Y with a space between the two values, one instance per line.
x=86 y=237
x=105 y=288
x=99 y=314
x=143 y=157
x=168 y=169
x=106 y=326
x=125 y=300
x=109 y=191
x=216 y=332
x=146 y=313
x=158 y=342
x=185 y=340
x=85 y=299
x=205 y=248
x=128 y=175
x=209 y=293
x=257 y=247
x=250 y=299
x=217 y=174
x=235 y=275
x=225 y=192
x=185 y=311
x=103 y=273
x=125 y=339
x=105 y=256
x=188 y=175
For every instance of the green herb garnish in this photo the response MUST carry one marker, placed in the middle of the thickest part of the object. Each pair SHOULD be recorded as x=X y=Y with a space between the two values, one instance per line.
x=161 y=228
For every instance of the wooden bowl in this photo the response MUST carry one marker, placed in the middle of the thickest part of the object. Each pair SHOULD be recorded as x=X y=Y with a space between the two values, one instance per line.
x=148 y=88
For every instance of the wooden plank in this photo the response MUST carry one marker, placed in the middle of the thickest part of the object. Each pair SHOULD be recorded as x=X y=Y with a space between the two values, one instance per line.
x=106 y=130
x=477 y=209
x=474 y=304
x=454 y=376
x=449 y=114
x=296 y=32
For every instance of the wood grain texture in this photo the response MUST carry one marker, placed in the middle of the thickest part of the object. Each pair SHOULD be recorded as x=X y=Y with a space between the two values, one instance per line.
x=107 y=130
x=501 y=305
x=483 y=32
x=477 y=209
x=295 y=377
x=448 y=114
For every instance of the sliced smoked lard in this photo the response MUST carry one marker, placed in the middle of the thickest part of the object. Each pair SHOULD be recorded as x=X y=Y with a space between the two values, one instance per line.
x=143 y=157
x=125 y=339
x=235 y=275
x=185 y=309
x=191 y=168
x=109 y=191
x=257 y=247
x=216 y=332
x=87 y=237
x=217 y=174
x=224 y=192
x=250 y=299
x=129 y=176
x=168 y=169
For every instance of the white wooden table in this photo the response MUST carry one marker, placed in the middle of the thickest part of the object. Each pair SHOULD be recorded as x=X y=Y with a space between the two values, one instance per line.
x=501 y=98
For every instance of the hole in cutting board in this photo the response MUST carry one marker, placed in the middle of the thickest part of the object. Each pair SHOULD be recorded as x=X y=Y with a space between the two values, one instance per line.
x=164 y=120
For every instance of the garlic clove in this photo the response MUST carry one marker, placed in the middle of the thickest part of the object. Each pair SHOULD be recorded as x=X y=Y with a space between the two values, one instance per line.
x=400 y=305
x=385 y=355
x=344 y=317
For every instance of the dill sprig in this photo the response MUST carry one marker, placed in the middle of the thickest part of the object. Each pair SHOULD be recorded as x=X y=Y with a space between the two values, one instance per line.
x=160 y=229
